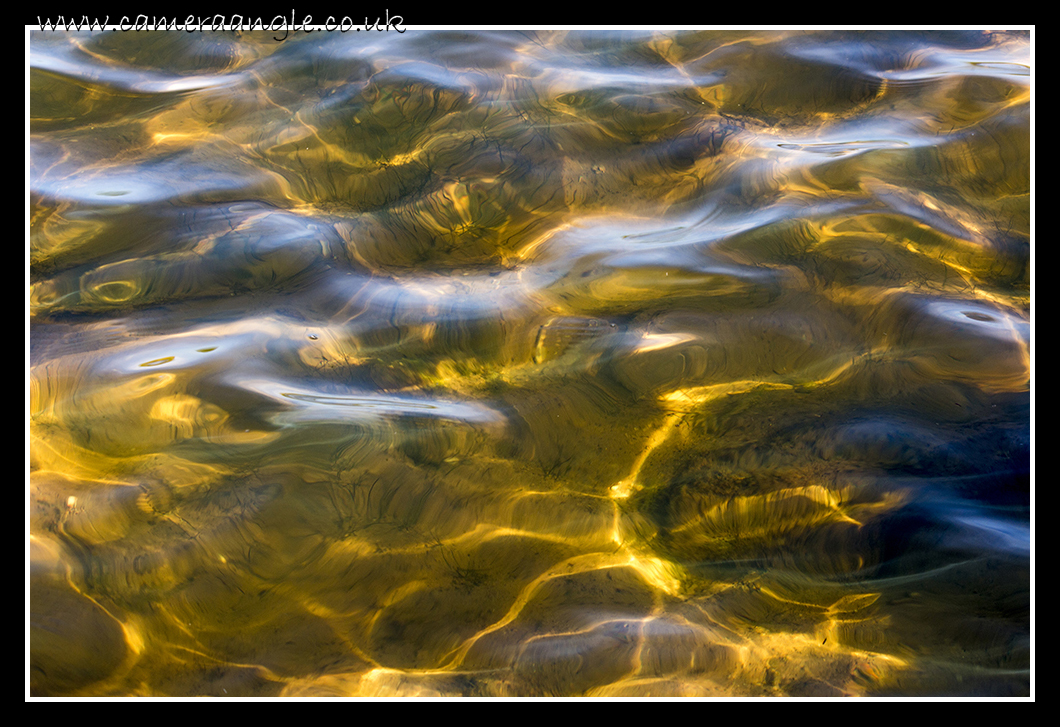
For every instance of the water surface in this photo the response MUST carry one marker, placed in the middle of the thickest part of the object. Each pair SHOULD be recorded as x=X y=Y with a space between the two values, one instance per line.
x=530 y=364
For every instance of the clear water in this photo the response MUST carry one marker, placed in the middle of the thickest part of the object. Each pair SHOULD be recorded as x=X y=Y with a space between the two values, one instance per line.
x=530 y=364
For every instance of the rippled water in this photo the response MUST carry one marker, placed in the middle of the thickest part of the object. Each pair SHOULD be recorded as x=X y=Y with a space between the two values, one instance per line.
x=524 y=364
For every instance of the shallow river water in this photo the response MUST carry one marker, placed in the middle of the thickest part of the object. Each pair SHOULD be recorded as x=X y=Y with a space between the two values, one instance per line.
x=530 y=364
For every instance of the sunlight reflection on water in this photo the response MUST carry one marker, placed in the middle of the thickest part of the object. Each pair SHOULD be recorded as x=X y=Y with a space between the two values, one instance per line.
x=498 y=363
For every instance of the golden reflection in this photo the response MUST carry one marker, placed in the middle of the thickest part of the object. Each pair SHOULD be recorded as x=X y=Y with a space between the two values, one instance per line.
x=617 y=363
